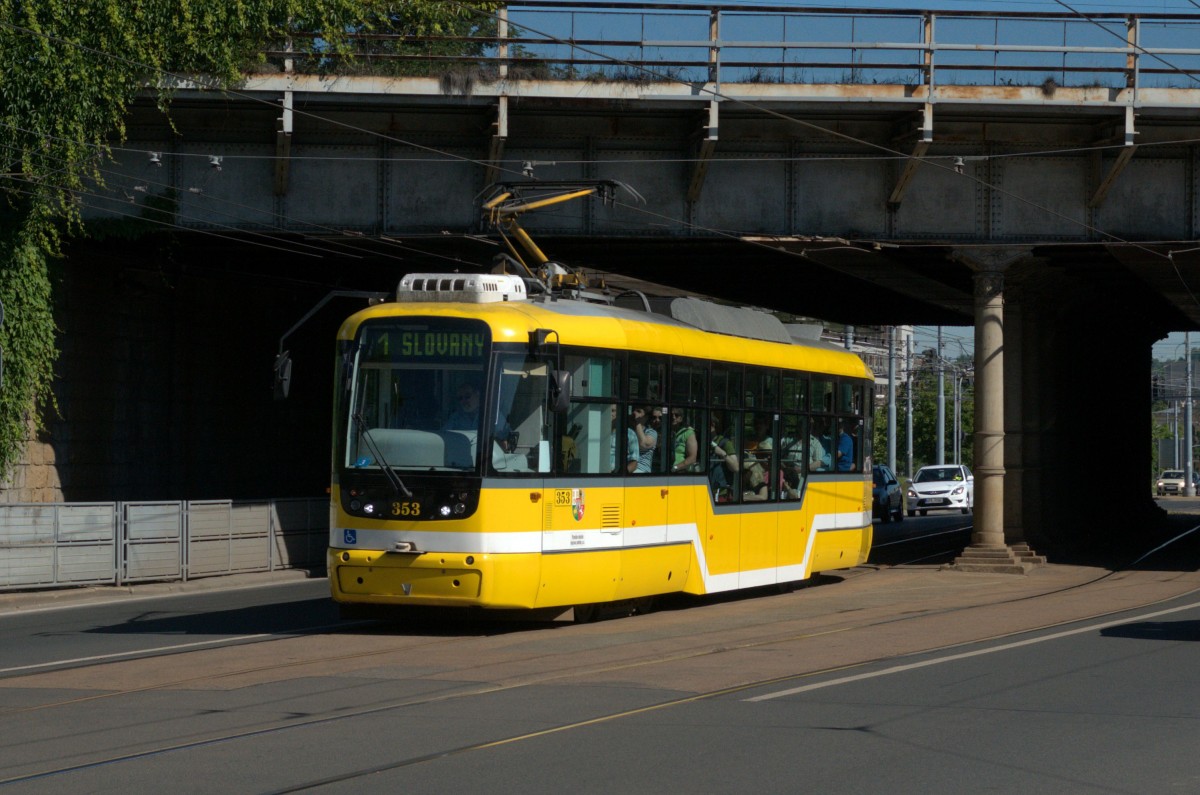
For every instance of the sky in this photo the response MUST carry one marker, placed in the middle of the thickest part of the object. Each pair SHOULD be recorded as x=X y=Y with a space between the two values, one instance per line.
x=1171 y=348
x=956 y=340
x=961 y=339
x=1084 y=6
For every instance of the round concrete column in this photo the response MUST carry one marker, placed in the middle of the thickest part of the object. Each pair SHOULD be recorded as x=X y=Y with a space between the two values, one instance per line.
x=989 y=408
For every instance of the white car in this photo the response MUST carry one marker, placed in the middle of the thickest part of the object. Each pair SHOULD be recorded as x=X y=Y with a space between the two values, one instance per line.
x=944 y=487
x=1171 y=482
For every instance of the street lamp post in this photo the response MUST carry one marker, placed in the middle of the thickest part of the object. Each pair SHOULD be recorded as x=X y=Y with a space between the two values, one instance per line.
x=1189 y=488
x=891 y=400
x=908 y=420
x=941 y=402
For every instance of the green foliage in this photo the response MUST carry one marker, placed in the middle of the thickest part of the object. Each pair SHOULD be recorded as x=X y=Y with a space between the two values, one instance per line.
x=68 y=72
x=27 y=336
x=409 y=40
x=925 y=423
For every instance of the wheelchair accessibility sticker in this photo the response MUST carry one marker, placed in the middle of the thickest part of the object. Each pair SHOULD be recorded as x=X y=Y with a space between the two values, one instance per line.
x=349 y=537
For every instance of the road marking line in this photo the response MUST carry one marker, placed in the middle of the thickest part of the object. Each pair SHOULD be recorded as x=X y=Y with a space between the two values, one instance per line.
x=964 y=655
x=136 y=652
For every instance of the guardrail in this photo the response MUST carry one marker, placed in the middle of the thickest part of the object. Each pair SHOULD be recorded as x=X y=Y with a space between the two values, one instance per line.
x=50 y=545
x=651 y=42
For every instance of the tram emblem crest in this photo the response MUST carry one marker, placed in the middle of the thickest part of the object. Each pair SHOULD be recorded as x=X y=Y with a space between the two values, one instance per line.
x=577 y=504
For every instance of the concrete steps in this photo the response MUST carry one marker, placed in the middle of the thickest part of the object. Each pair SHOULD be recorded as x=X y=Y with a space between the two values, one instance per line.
x=1015 y=559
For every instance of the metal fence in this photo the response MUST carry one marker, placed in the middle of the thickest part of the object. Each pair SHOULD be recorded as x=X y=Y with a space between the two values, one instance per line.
x=48 y=545
x=739 y=43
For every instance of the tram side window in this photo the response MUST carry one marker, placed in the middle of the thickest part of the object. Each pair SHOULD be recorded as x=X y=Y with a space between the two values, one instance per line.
x=792 y=438
x=868 y=439
x=794 y=392
x=821 y=445
x=685 y=439
x=759 y=457
x=724 y=468
x=647 y=377
x=822 y=395
x=727 y=386
x=521 y=436
x=590 y=444
x=645 y=447
x=849 y=398
x=688 y=382
x=588 y=440
x=849 y=445
x=762 y=389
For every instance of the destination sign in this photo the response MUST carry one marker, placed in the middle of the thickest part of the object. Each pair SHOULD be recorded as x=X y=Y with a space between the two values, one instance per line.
x=442 y=344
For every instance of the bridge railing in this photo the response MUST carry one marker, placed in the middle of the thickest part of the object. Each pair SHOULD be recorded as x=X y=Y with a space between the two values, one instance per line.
x=744 y=44
x=50 y=545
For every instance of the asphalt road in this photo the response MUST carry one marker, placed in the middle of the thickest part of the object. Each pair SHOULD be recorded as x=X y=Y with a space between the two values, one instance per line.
x=887 y=678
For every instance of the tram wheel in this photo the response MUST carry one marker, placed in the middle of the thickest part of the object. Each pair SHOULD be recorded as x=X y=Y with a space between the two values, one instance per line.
x=585 y=614
x=348 y=611
x=642 y=606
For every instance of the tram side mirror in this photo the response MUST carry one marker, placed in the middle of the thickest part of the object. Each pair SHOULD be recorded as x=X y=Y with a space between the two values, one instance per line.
x=560 y=397
x=283 y=375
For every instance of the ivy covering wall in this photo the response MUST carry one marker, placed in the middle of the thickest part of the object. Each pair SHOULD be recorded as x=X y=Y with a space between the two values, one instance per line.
x=68 y=72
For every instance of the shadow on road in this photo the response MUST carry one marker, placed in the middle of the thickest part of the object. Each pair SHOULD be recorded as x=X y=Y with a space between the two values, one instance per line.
x=1155 y=630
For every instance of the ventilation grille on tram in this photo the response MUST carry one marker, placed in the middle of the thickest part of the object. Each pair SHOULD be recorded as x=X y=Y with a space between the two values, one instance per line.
x=480 y=288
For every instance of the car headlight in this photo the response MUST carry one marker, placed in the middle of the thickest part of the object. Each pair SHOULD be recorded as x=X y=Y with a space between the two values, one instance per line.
x=912 y=493
x=958 y=491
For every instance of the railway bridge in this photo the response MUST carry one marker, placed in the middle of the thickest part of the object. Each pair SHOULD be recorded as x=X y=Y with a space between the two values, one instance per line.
x=1032 y=175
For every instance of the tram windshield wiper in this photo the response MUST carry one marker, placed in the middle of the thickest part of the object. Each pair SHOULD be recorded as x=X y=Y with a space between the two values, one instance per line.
x=390 y=473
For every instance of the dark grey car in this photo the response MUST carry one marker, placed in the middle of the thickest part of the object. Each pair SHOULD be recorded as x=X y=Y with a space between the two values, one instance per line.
x=886 y=495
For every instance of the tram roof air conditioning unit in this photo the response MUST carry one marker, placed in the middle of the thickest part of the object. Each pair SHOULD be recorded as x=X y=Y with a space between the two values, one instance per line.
x=471 y=288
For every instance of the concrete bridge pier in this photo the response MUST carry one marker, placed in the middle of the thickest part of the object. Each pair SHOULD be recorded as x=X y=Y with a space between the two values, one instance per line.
x=1077 y=458
x=990 y=549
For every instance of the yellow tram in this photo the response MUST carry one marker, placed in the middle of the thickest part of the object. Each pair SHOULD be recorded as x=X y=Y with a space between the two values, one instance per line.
x=510 y=442
x=488 y=452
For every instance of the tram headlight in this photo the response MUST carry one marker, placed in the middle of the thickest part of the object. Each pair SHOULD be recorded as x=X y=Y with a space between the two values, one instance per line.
x=459 y=509
x=355 y=505
x=444 y=510
x=369 y=508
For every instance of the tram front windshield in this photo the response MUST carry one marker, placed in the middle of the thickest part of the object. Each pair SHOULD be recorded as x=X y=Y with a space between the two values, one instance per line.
x=416 y=395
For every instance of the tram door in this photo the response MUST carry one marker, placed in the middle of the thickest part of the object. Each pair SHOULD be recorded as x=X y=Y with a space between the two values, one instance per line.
x=647 y=493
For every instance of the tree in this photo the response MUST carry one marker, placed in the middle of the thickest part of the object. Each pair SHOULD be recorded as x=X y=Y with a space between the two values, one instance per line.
x=925 y=419
x=68 y=72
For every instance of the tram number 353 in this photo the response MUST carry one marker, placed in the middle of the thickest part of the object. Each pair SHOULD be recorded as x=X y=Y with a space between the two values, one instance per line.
x=406 y=509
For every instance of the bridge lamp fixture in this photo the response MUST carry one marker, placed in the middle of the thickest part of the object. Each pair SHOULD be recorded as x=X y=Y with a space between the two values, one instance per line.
x=156 y=159
x=215 y=162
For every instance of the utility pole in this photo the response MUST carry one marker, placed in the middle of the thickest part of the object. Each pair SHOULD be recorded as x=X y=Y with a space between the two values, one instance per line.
x=1189 y=488
x=941 y=403
x=891 y=399
x=908 y=420
x=956 y=445
x=1175 y=431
